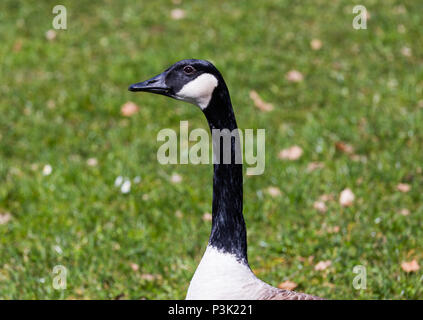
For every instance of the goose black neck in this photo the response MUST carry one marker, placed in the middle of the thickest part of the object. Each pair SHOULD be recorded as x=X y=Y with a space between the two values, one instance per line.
x=228 y=232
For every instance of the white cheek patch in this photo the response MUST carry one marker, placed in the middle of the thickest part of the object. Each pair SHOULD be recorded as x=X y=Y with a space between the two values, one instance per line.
x=199 y=91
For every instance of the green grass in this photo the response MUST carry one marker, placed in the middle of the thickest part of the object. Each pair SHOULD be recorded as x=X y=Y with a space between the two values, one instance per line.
x=60 y=105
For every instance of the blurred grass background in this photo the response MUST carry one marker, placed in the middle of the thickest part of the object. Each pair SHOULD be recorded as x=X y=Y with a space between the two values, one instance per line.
x=60 y=106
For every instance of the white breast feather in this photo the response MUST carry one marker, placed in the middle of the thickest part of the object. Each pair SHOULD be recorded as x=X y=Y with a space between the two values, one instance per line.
x=220 y=276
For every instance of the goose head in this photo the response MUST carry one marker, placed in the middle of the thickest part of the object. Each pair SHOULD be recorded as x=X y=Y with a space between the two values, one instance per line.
x=189 y=80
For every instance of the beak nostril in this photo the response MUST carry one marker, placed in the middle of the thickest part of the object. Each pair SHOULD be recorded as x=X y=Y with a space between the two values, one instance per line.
x=154 y=85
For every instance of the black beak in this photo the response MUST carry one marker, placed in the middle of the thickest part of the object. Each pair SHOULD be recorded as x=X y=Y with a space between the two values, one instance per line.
x=154 y=85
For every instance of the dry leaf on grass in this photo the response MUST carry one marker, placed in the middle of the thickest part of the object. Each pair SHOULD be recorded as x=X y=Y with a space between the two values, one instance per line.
x=334 y=229
x=401 y=28
x=274 y=191
x=259 y=103
x=400 y=9
x=316 y=44
x=176 y=178
x=207 y=216
x=179 y=214
x=287 y=285
x=322 y=265
x=150 y=277
x=358 y=158
x=346 y=198
x=50 y=35
x=177 y=14
x=51 y=104
x=329 y=285
x=404 y=212
x=314 y=166
x=326 y=197
x=406 y=51
x=344 y=147
x=403 y=187
x=294 y=76
x=320 y=206
x=292 y=153
x=92 y=162
x=308 y=259
x=79 y=291
x=129 y=109
x=367 y=14
x=17 y=46
x=410 y=266
x=5 y=217
x=134 y=266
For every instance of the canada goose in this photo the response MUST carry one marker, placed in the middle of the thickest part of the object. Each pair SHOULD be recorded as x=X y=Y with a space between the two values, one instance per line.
x=223 y=272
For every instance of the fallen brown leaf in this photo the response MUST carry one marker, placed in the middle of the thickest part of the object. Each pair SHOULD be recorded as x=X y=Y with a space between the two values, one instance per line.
x=150 y=277
x=207 y=216
x=179 y=214
x=51 y=104
x=274 y=191
x=316 y=44
x=326 y=197
x=79 y=291
x=17 y=46
x=401 y=28
x=404 y=212
x=320 y=206
x=358 y=158
x=92 y=162
x=403 y=187
x=294 y=76
x=329 y=285
x=50 y=35
x=176 y=178
x=129 y=109
x=410 y=266
x=400 y=9
x=344 y=147
x=5 y=217
x=134 y=266
x=292 y=153
x=314 y=166
x=406 y=51
x=322 y=265
x=259 y=103
x=177 y=14
x=346 y=198
x=334 y=229
x=287 y=285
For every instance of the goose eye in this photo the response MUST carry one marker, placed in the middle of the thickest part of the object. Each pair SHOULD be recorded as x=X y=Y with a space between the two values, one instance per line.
x=188 y=69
